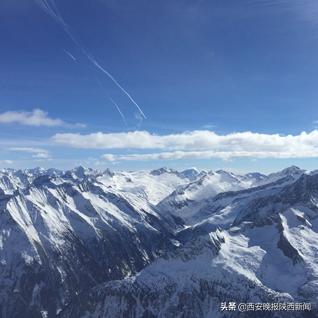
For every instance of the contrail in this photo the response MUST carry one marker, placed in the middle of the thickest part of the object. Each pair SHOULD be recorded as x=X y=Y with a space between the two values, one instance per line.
x=116 y=105
x=49 y=6
x=117 y=83
x=119 y=111
x=70 y=55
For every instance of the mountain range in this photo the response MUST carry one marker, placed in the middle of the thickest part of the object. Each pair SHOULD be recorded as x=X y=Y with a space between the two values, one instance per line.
x=85 y=243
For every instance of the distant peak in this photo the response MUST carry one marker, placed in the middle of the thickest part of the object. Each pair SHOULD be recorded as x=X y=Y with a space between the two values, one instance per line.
x=108 y=172
x=226 y=173
x=190 y=173
x=79 y=172
x=291 y=170
x=160 y=171
x=79 y=168
x=193 y=169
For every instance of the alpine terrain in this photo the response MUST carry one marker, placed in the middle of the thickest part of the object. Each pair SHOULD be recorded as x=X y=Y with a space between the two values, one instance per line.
x=164 y=243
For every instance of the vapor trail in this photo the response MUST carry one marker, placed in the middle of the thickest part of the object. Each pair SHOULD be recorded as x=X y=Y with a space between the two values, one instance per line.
x=49 y=7
x=117 y=83
x=119 y=111
x=70 y=55
x=116 y=105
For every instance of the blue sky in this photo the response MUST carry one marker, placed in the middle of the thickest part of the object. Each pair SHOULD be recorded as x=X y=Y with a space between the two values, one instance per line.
x=207 y=71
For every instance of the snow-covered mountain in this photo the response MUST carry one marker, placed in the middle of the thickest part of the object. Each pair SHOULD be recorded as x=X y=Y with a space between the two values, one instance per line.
x=187 y=200
x=161 y=243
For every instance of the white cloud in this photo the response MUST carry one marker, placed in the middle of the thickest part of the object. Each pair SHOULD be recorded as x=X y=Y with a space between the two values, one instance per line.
x=110 y=157
x=6 y=162
x=197 y=144
x=225 y=155
x=99 y=140
x=37 y=153
x=77 y=125
x=36 y=117
x=41 y=155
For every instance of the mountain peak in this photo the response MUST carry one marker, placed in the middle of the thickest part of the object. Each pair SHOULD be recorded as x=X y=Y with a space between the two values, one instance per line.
x=81 y=172
x=190 y=173
x=292 y=170
x=160 y=171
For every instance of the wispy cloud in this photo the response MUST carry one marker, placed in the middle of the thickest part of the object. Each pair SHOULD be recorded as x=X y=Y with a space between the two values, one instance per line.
x=6 y=162
x=36 y=117
x=209 y=126
x=198 y=144
x=37 y=153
